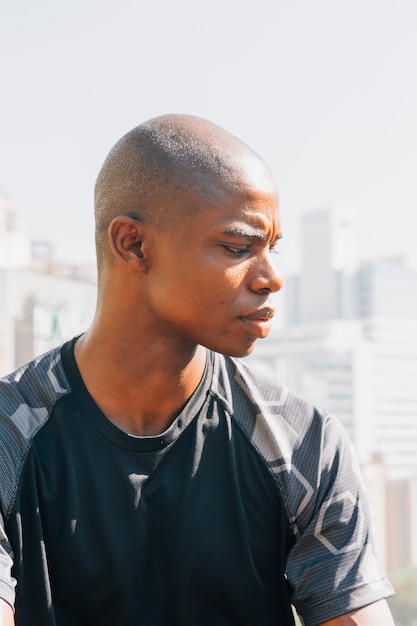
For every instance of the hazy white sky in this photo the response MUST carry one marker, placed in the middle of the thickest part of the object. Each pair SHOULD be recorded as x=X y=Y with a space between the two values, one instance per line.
x=324 y=90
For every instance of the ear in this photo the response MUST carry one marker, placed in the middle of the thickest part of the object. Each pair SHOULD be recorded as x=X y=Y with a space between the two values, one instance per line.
x=126 y=235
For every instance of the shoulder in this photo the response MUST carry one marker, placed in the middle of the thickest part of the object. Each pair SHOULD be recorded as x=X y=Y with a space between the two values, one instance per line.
x=35 y=385
x=259 y=402
x=27 y=397
x=302 y=445
x=316 y=471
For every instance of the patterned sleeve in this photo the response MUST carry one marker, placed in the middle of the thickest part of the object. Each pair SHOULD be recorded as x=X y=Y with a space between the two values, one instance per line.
x=332 y=567
x=7 y=583
x=27 y=398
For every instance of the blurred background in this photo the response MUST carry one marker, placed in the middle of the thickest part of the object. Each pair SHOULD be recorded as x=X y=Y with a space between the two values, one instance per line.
x=326 y=92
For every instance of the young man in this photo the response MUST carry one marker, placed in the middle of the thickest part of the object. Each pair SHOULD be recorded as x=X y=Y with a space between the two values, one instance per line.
x=146 y=478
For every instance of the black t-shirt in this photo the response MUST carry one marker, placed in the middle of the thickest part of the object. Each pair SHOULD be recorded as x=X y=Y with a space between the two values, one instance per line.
x=218 y=521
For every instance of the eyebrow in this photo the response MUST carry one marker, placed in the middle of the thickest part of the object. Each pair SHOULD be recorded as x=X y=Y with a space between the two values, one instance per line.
x=249 y=234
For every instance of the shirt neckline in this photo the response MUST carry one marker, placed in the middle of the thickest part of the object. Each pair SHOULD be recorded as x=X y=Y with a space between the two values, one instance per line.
x=89 y=408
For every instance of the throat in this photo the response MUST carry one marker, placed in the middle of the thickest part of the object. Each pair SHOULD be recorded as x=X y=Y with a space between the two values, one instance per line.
x=142 y=402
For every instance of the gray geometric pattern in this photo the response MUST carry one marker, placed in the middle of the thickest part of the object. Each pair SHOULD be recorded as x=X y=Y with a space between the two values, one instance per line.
x=318 y=476
x=28 y=396
x=348 y=502
x=306 y=451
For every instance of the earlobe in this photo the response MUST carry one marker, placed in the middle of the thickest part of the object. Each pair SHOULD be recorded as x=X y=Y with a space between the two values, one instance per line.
x=126 y=240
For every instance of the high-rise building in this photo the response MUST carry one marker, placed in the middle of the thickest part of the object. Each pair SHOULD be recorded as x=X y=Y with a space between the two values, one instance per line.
x=41 y=303
x=350 y=340
x=14 y=241
x=349 y=344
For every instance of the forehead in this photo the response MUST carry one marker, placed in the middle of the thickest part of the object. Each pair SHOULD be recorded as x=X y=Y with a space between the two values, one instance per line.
x=237 y=212
x=244 y=192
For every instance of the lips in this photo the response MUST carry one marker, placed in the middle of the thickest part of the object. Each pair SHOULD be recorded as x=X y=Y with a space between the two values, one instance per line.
x=258 y=322
x=260 y=315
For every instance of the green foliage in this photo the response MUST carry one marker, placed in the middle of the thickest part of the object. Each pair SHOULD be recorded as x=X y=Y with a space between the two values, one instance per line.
x=404 y=604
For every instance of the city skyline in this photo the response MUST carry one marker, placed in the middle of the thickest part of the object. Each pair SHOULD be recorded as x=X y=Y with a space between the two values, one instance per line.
x=347 y=347
x=349 y=341
x=324 y=92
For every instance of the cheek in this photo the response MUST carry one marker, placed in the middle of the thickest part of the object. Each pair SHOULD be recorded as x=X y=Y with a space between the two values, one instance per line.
x=216 y=298
x=231 y=283
x=220 y=286
x=201 y=284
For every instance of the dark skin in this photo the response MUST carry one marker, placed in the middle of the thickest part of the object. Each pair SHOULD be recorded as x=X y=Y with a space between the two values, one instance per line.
x=165 y=292
x=168 y=293
x=148 y=332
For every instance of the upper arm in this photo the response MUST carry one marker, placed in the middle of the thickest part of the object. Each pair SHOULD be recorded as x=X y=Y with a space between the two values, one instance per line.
x=377 y=613
x=6 y=614
x=332 y=567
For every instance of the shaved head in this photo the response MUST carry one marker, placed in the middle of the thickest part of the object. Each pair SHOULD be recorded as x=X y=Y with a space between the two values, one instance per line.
x=168 y=167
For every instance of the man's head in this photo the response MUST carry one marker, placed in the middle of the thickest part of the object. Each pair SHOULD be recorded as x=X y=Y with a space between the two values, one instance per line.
x=190 y=213
x=168 y=167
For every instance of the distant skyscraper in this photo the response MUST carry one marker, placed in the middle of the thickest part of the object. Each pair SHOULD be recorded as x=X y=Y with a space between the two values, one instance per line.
x=14 y=241
x=387 y=303
x=42 y=303
x=329 y=260
x=350 y=341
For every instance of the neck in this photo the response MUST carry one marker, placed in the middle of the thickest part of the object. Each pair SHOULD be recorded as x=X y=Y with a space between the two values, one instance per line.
x=140 y=385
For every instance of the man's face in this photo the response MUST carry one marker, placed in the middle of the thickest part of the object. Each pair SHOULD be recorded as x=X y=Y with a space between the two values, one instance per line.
x=212 y=275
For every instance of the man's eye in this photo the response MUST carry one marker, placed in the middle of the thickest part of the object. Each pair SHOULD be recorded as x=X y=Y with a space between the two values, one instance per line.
x=237 y=251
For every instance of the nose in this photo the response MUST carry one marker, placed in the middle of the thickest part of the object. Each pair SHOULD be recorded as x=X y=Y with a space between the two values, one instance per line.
x=264 y=276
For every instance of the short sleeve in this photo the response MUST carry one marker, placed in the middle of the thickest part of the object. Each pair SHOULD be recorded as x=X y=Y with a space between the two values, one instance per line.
x=332 y=567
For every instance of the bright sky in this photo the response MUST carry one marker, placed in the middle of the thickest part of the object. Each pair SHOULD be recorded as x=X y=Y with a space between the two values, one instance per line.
x=324 y=90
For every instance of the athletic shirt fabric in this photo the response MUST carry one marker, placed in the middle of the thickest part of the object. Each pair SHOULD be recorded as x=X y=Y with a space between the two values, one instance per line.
x=249 y=502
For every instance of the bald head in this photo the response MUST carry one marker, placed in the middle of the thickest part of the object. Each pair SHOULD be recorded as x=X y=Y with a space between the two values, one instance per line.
x=168 y=167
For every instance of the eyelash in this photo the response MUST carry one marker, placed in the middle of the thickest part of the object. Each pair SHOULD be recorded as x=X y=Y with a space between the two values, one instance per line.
x=239 y=252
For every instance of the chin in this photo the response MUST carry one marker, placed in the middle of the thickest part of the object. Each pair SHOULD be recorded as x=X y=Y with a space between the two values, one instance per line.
x=236 y=352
